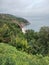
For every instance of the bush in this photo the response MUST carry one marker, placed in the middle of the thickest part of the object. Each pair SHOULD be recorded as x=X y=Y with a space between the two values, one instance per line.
x=10 y=56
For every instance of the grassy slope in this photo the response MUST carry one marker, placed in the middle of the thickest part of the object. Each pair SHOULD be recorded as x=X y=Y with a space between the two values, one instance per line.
x=10 y=56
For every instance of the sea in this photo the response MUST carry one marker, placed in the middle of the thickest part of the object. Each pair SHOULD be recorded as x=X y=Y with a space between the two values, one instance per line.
x=36 y=24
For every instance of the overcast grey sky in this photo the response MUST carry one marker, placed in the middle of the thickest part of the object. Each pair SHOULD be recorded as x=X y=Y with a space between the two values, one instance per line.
x=30 y=9
x=25 y=7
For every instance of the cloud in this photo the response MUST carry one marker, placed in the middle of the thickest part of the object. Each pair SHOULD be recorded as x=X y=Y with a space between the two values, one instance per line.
x=25 y=7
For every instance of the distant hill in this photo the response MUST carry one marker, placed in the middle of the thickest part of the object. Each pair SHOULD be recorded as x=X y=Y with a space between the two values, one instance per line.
x=13 y=19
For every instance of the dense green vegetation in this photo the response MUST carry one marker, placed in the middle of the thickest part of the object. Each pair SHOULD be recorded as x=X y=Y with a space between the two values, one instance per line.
x=10 y=18
x=16 y=48
x=10 y=56
x=38 y=41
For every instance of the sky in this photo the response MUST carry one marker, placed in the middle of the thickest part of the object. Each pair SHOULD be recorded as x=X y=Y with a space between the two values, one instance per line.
x=35 y=11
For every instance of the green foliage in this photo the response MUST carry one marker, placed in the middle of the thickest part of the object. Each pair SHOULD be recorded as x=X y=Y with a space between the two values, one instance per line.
x=13 y=19
x=44 y=39
x=8 y=31
x=31 y=42
x=38 y=42
x=10 y=56
x=21 y=43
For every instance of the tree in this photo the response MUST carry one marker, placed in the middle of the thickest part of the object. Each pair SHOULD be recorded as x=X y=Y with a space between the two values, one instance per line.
x=44 y=38
x=21 y=43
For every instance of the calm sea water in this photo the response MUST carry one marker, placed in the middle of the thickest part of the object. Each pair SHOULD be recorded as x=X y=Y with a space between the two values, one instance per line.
x=37 y=24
